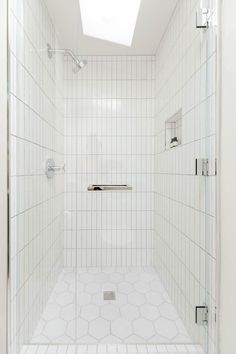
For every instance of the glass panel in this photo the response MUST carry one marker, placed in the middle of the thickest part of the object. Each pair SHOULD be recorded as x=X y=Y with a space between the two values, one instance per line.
x=41 y=291
x=112 y=266
x=211 y=180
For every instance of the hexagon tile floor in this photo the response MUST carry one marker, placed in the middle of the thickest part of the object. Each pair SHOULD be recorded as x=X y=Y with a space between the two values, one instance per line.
x=142 y=311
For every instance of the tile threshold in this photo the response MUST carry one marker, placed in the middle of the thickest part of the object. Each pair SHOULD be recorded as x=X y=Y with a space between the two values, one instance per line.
x=112 y=349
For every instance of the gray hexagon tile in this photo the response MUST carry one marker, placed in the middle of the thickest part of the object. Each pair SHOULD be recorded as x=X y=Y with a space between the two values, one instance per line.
x=142 y=311
x=60 y=287
x=83 y=299
x=82 y=327
x=121 y=299
x=131 y=277
x=53 y=311
x=89 y=312
x=130 y=312
x=92 y=288
x=142 y=286
x=71 y=329
x=99 y=328
x=136 y=298
x=55 y=328
x=166 y=328
x=150 y=312
x=125 y=287
x=121 y=328
x=143 y=328
x=111 y=340
x=116 y=277
x=86 y=278
x=109 y=312
x=168 y=311
x=68 y=313
x=154 y=298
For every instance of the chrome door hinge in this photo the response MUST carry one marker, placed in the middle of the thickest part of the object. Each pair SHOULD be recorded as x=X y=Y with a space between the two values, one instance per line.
x=201 y=167
x=205 y=167
x=201 y=315
x=202 y=18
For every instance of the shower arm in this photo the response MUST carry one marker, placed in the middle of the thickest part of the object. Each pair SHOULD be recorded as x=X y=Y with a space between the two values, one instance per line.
x=80 y=64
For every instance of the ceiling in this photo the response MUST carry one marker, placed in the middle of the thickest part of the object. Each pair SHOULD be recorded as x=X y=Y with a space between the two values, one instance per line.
x=153 y=18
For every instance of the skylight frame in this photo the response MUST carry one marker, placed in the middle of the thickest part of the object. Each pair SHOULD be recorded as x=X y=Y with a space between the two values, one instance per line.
x=110 y=20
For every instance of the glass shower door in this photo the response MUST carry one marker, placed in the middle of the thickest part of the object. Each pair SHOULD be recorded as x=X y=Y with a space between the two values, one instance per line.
x=206 y=171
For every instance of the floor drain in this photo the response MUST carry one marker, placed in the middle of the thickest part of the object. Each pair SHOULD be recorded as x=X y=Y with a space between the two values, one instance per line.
x=109 y=295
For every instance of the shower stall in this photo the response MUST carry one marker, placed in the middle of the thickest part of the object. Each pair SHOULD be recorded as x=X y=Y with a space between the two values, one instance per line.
x=112 y=199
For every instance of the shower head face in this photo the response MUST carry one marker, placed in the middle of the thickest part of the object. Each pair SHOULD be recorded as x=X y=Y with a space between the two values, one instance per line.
x=80 y=65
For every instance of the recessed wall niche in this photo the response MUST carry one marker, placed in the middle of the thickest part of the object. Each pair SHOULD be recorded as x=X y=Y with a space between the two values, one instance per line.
x=173 y=130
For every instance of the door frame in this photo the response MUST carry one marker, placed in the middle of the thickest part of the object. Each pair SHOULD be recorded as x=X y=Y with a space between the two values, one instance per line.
x=227 y=186
x=4 y=175
x=4 y=205
x=218 y=178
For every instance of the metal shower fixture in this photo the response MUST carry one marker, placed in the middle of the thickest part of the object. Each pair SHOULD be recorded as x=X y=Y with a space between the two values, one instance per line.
x=80 y=64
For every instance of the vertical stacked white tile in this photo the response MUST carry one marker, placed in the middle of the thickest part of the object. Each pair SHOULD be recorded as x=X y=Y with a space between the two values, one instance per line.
x=109 y=140
x=36 y=133
x=184 y=242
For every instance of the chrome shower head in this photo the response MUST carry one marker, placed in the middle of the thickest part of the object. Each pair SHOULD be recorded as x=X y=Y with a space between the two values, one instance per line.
x=80 y=64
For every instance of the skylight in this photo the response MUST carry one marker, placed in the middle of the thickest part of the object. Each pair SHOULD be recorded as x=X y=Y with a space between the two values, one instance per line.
x=111 y=20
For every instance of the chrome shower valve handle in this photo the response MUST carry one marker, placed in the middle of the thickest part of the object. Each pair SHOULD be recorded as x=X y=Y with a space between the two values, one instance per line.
x=51 y=168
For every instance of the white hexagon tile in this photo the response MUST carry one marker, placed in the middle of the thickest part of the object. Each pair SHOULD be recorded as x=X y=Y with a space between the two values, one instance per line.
x=140 y=313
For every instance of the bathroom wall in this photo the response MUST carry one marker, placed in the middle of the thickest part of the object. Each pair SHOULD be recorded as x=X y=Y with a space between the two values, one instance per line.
x=109 y=140
x=36 y=133
x=184 y=220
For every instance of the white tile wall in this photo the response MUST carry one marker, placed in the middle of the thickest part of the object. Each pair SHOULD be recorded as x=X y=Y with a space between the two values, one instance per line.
x=36 y=133
x=184 y=220
x=109 y=140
